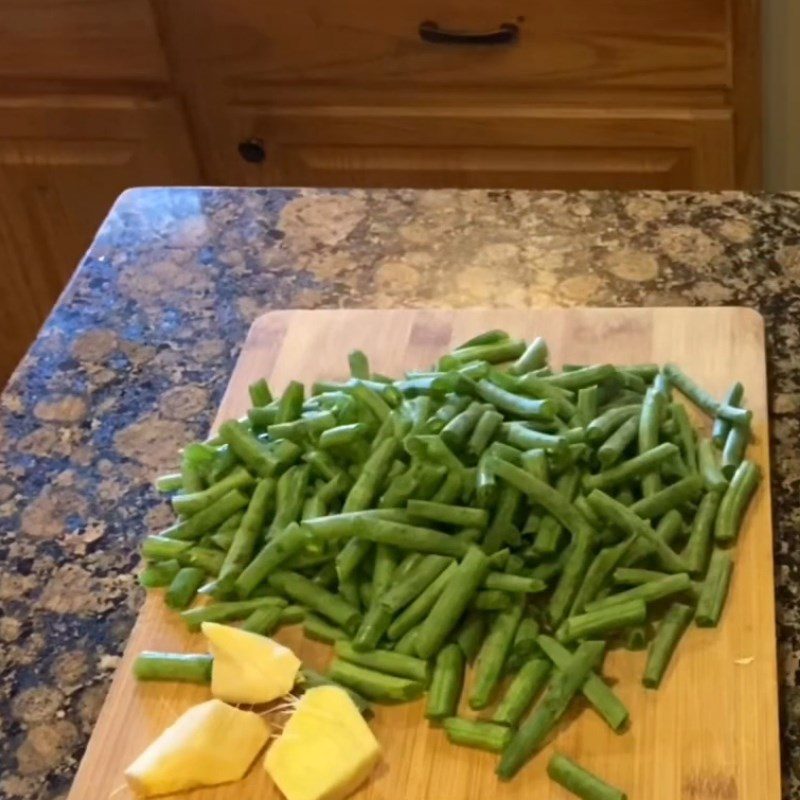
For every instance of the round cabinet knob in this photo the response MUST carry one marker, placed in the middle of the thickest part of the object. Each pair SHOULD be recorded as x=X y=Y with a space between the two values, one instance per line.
x=252 y=151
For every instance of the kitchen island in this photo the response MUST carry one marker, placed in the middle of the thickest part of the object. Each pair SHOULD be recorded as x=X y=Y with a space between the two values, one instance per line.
x=134 y=359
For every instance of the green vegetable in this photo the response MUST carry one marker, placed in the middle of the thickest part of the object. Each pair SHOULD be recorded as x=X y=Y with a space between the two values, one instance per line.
x=184 y=587
x=471 y=634
x=159 y=574
x=177 y=667
x=385 y=661
x=493 y=654
x=290 y=541
x=594 y=689
x=715 y=590
x=522 y=691
x=735 y=501
x=225 y=612
x=452 y=602
x=733 y=397
x=606 y=619
x=561 y=688
x=299 y=588
x=483 y=735
x=534 y=357
x=703 y=400
x=211 y=517
x=446 y=683
x=461 y=516
x=374 y=685
x=649 y=592
x=698 y=549
x=670 y=630
x=579 y=781
x=315 y=627
x=424 y=522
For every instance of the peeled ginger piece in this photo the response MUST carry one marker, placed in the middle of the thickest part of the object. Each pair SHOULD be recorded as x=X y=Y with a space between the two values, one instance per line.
x=326 y=749
x=248 y=667
x=210 y=743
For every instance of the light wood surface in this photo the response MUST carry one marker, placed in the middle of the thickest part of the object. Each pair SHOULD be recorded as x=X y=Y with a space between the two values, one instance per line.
x=63 y=162
x=710 y=732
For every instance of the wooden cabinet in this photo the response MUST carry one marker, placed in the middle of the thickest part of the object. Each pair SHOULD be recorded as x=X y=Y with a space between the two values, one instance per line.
x=89 y=41
x=552 y=148
x=616 y=94
x=63 y=162
x=100 y=95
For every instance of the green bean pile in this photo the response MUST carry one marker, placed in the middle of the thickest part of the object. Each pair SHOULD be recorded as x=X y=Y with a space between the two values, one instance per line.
x=488 y=512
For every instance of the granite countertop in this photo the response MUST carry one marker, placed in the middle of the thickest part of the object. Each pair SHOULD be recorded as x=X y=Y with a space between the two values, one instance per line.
x=134 y=359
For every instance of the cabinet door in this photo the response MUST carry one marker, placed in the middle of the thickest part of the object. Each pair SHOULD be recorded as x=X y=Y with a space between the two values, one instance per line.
x=63 y=161
x=498 y=147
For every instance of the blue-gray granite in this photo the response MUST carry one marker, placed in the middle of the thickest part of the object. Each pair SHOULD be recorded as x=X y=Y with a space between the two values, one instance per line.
x=133 y=360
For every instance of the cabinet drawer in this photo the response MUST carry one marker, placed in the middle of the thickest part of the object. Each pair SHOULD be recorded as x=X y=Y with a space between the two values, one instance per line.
x=611 y=43
x=63 y=161
x=86 y=40
x=536 y=148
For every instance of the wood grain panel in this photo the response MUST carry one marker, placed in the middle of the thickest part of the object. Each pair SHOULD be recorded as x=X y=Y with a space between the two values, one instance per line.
x=660 y=43
x=80 y=40
x=493 y=146
x=710 y=732
x=63 y=161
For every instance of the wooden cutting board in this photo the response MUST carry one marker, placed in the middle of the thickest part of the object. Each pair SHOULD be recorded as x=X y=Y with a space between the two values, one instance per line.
x=710 y=732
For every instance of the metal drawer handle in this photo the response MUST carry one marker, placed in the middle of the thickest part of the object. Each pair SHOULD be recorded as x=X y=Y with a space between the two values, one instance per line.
x=507 y=33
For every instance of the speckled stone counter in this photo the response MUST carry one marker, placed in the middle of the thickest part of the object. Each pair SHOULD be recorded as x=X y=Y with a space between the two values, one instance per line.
x=135 y=357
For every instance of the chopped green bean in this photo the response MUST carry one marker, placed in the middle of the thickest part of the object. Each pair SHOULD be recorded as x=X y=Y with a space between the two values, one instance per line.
x=613 y=448
x=698 y=549
x=321 y=630
x=159 y=574
x=714 y=591
x=452 y=603
x=184 y=586
x=176 y=667
x=674 y=495
x=581 y=782
x=606 y=619
x=522 y=691
x=492 y=657
x=561 y=688
x=472 y=733
x=708 y=464
x=225 y=612
x=703 y=400
x=594 y=689
x=446 y=683
x=385 y=661
x=534 y=357
x=491 y=600
x=670 y=631
x=733 y=397
x=263 y=620
x=461 y=516
x=735 y=501
x=325 y=603
x=633 y=468
x=374 y=685
x=649 y=591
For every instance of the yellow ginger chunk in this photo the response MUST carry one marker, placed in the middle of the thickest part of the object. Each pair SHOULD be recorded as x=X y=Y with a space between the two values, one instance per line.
x=210 y=743
x=248 y=668
x=326 y=749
